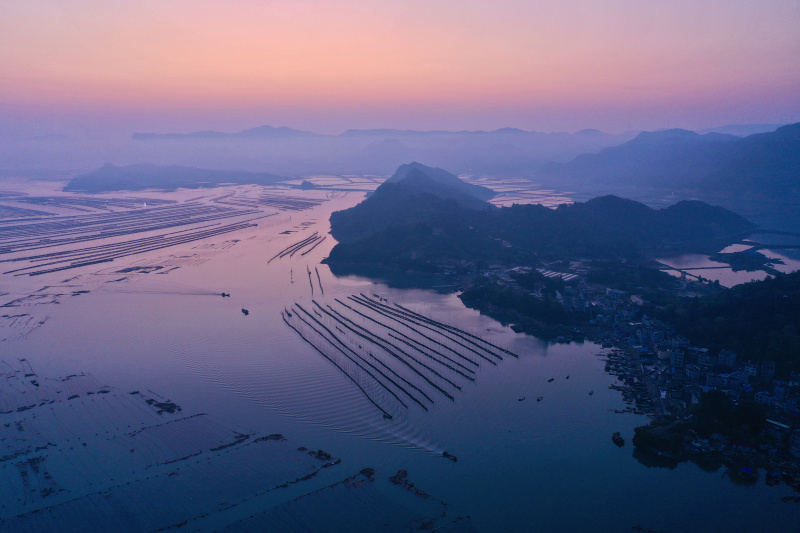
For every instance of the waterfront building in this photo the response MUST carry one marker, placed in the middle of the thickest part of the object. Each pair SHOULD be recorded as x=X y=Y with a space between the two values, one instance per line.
x=676 y=359
x=693 y=373
x=751 y=369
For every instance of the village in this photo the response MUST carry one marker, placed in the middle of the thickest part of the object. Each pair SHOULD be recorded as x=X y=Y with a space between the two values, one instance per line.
x=663 y=376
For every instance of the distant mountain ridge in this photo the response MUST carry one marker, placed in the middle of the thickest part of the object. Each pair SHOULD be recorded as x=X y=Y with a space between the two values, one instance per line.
x=267 y=131
x=764 y=164
x=371 y=151
x=252 y=133
x=144 y=176
x=742 y=130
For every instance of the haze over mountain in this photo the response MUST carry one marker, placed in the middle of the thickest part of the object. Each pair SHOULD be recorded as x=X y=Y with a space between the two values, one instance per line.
x=282 y=150
x=742 y=130
x=261 y=132
x=145 y=176
x=378 y=151
x=765 y=164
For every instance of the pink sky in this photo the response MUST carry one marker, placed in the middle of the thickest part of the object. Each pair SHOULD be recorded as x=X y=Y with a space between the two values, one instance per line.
x=332 y=65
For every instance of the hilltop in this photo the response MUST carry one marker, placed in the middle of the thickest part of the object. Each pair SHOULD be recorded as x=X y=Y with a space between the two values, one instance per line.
x=413 y=193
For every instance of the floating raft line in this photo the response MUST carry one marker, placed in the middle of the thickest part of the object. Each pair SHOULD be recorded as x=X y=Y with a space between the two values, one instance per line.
x=452 y=330
x=390 y=328
x=340 y=319
x=155 y=244
x=366 y=335
x=385 y=413
x=315 y=245
x=294 y=247
x=363 y=360
x=388 y=313
x=319 y=280
x=455 y=329
x=348 y=357
x=310 y=282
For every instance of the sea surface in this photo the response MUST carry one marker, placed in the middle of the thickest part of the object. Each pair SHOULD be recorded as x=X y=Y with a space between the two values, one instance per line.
x=523 y=464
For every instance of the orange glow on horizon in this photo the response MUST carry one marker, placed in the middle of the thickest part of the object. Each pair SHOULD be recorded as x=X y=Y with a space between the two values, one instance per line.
x=314 y=53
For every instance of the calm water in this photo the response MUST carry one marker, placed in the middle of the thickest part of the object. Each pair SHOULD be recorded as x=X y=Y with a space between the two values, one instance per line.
x=701 y=265
x=522 y=465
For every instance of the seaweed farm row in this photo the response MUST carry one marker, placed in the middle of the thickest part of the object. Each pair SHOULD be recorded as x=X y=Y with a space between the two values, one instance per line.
x=62 y=243
x=396 y=357
x=20 y=236
x=9 y=211
x=18 y=326
x=277 y=201
x=304 y=246
x=367 y=501
x=79 y=455
x=69 y=259
x=76 y=203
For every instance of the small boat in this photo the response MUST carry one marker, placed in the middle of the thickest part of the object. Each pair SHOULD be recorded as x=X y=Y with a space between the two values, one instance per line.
x=521 y=399
x=540 y=398
x=567 y=376
x=591 y=392
x=617 y=439
x=551 y=380
x=450 y=456
x=226 y=295
x=245 y=312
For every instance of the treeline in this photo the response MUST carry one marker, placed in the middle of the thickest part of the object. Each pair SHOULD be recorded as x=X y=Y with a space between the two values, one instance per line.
x=535 y=313
x=714 y=414
x=654 y=286
x=421 y=231
x=760 y=320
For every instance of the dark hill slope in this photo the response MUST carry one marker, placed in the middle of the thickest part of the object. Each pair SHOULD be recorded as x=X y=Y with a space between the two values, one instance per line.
x=399 y=228
x=765 y=164
x=661 y=158
x=442 y=183
x=413 y=194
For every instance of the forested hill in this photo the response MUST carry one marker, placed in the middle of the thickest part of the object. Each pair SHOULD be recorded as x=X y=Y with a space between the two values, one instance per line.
x=405 y=229
x=758 y=320
x=414 y=193
x=763 y=165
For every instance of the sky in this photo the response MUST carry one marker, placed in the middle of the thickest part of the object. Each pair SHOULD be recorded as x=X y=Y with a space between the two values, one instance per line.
x=331 y=65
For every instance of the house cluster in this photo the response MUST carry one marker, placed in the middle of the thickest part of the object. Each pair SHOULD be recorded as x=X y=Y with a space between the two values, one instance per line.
x=682 y=372
x=676 y=372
